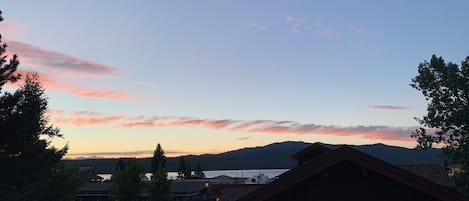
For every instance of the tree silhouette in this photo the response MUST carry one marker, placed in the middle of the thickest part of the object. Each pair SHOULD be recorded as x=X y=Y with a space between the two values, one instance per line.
x=184 y=170
x=127 y=182
x=7 y=69
x=159 y=159
x=159 y=183
x=199 y=172
x=446 y=88
x=30 y=169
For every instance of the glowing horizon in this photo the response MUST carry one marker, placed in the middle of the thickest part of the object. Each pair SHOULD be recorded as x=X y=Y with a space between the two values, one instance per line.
x=221 y=77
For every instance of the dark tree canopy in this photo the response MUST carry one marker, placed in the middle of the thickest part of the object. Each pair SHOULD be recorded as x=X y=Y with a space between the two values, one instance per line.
x=198 y=171
x=159 y=159
x=446 y=88
x=30 y=169
x=160 y=186
x=7 y=69
x=127 y=182
x=184 y=170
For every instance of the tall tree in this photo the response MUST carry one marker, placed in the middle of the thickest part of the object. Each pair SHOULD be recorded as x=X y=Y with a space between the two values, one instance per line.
x=446 y=88
x=184 y=170
x=159 y=159
x=160 y=186
x=127 y=182
x=30 y=169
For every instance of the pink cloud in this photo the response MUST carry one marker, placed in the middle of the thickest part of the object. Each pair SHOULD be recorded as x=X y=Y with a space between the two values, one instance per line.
x=9 y=28
x=277 y=128
x=269 y=127
x=83 y=118
x=37 y=57
x=96 y=121
x=54 y=84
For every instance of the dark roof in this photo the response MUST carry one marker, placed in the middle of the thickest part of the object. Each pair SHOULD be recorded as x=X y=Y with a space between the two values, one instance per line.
x=315 y=149
x=94 y=187
x=434 y=173
x=188 y=185
x=234 y=192
x=344 y=153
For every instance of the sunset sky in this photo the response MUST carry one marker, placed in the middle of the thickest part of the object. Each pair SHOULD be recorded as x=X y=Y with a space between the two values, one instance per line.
x=212 y=76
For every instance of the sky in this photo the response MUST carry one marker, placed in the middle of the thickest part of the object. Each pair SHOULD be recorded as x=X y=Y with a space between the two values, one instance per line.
x=213 y=76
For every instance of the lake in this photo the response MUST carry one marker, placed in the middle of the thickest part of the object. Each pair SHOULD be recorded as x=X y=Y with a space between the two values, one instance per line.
x=232 y=173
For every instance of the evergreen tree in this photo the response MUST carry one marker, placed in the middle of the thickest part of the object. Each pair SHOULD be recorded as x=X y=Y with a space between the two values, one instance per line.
x=7 y=69
x=127 y=182
x=120 y=165
x=160 y=186
x=30 y=169
x=199 y=172
x=184 y=170
x=446 y=88
x=159 y=159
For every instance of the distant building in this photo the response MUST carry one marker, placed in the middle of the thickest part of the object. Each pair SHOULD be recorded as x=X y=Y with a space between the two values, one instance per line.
x=88 y=175
x=191 y=190
x=232 y=192
x=223 y=179
x=181 y=190
x=93 y=192
x=258 y=179
x=348 y=174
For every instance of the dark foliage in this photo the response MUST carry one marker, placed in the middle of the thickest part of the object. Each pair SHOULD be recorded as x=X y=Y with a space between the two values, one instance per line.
x=198 y=171
x=159 y=159
x=29 y=168
x=446 y=88
x=160 y=187
x=127 y=182
x=184 y=170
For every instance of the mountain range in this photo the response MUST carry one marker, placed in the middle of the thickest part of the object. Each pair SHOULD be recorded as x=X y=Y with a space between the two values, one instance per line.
x=272 y=156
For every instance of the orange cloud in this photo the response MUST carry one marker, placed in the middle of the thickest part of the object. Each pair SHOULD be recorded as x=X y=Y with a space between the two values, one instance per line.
x=144 y=124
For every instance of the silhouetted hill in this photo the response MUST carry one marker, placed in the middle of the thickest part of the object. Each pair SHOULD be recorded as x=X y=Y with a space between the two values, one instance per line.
x=273 y=156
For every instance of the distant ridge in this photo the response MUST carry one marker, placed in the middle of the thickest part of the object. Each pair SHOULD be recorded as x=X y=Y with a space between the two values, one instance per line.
x=274 y=156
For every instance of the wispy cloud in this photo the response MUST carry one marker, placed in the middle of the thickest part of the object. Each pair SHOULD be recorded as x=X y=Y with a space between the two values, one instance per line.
x=270 y=127
x=10 y=28
x=141 y=153
x=243 y=138
x=388 y=107
x=83 y=118
x=296 y=23
x=37 y=57
x=54 y=84
x=276 y=127
x=92 y=121
x=259 y=27
x=300 y=25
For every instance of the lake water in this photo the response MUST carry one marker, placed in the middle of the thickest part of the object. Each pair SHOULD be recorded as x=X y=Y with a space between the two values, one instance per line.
x=271 y=173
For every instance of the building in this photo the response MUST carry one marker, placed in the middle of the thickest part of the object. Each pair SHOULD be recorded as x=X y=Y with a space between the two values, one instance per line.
x=181 y=190
x=191 y=190
x=232 y=192
x=348 y=174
